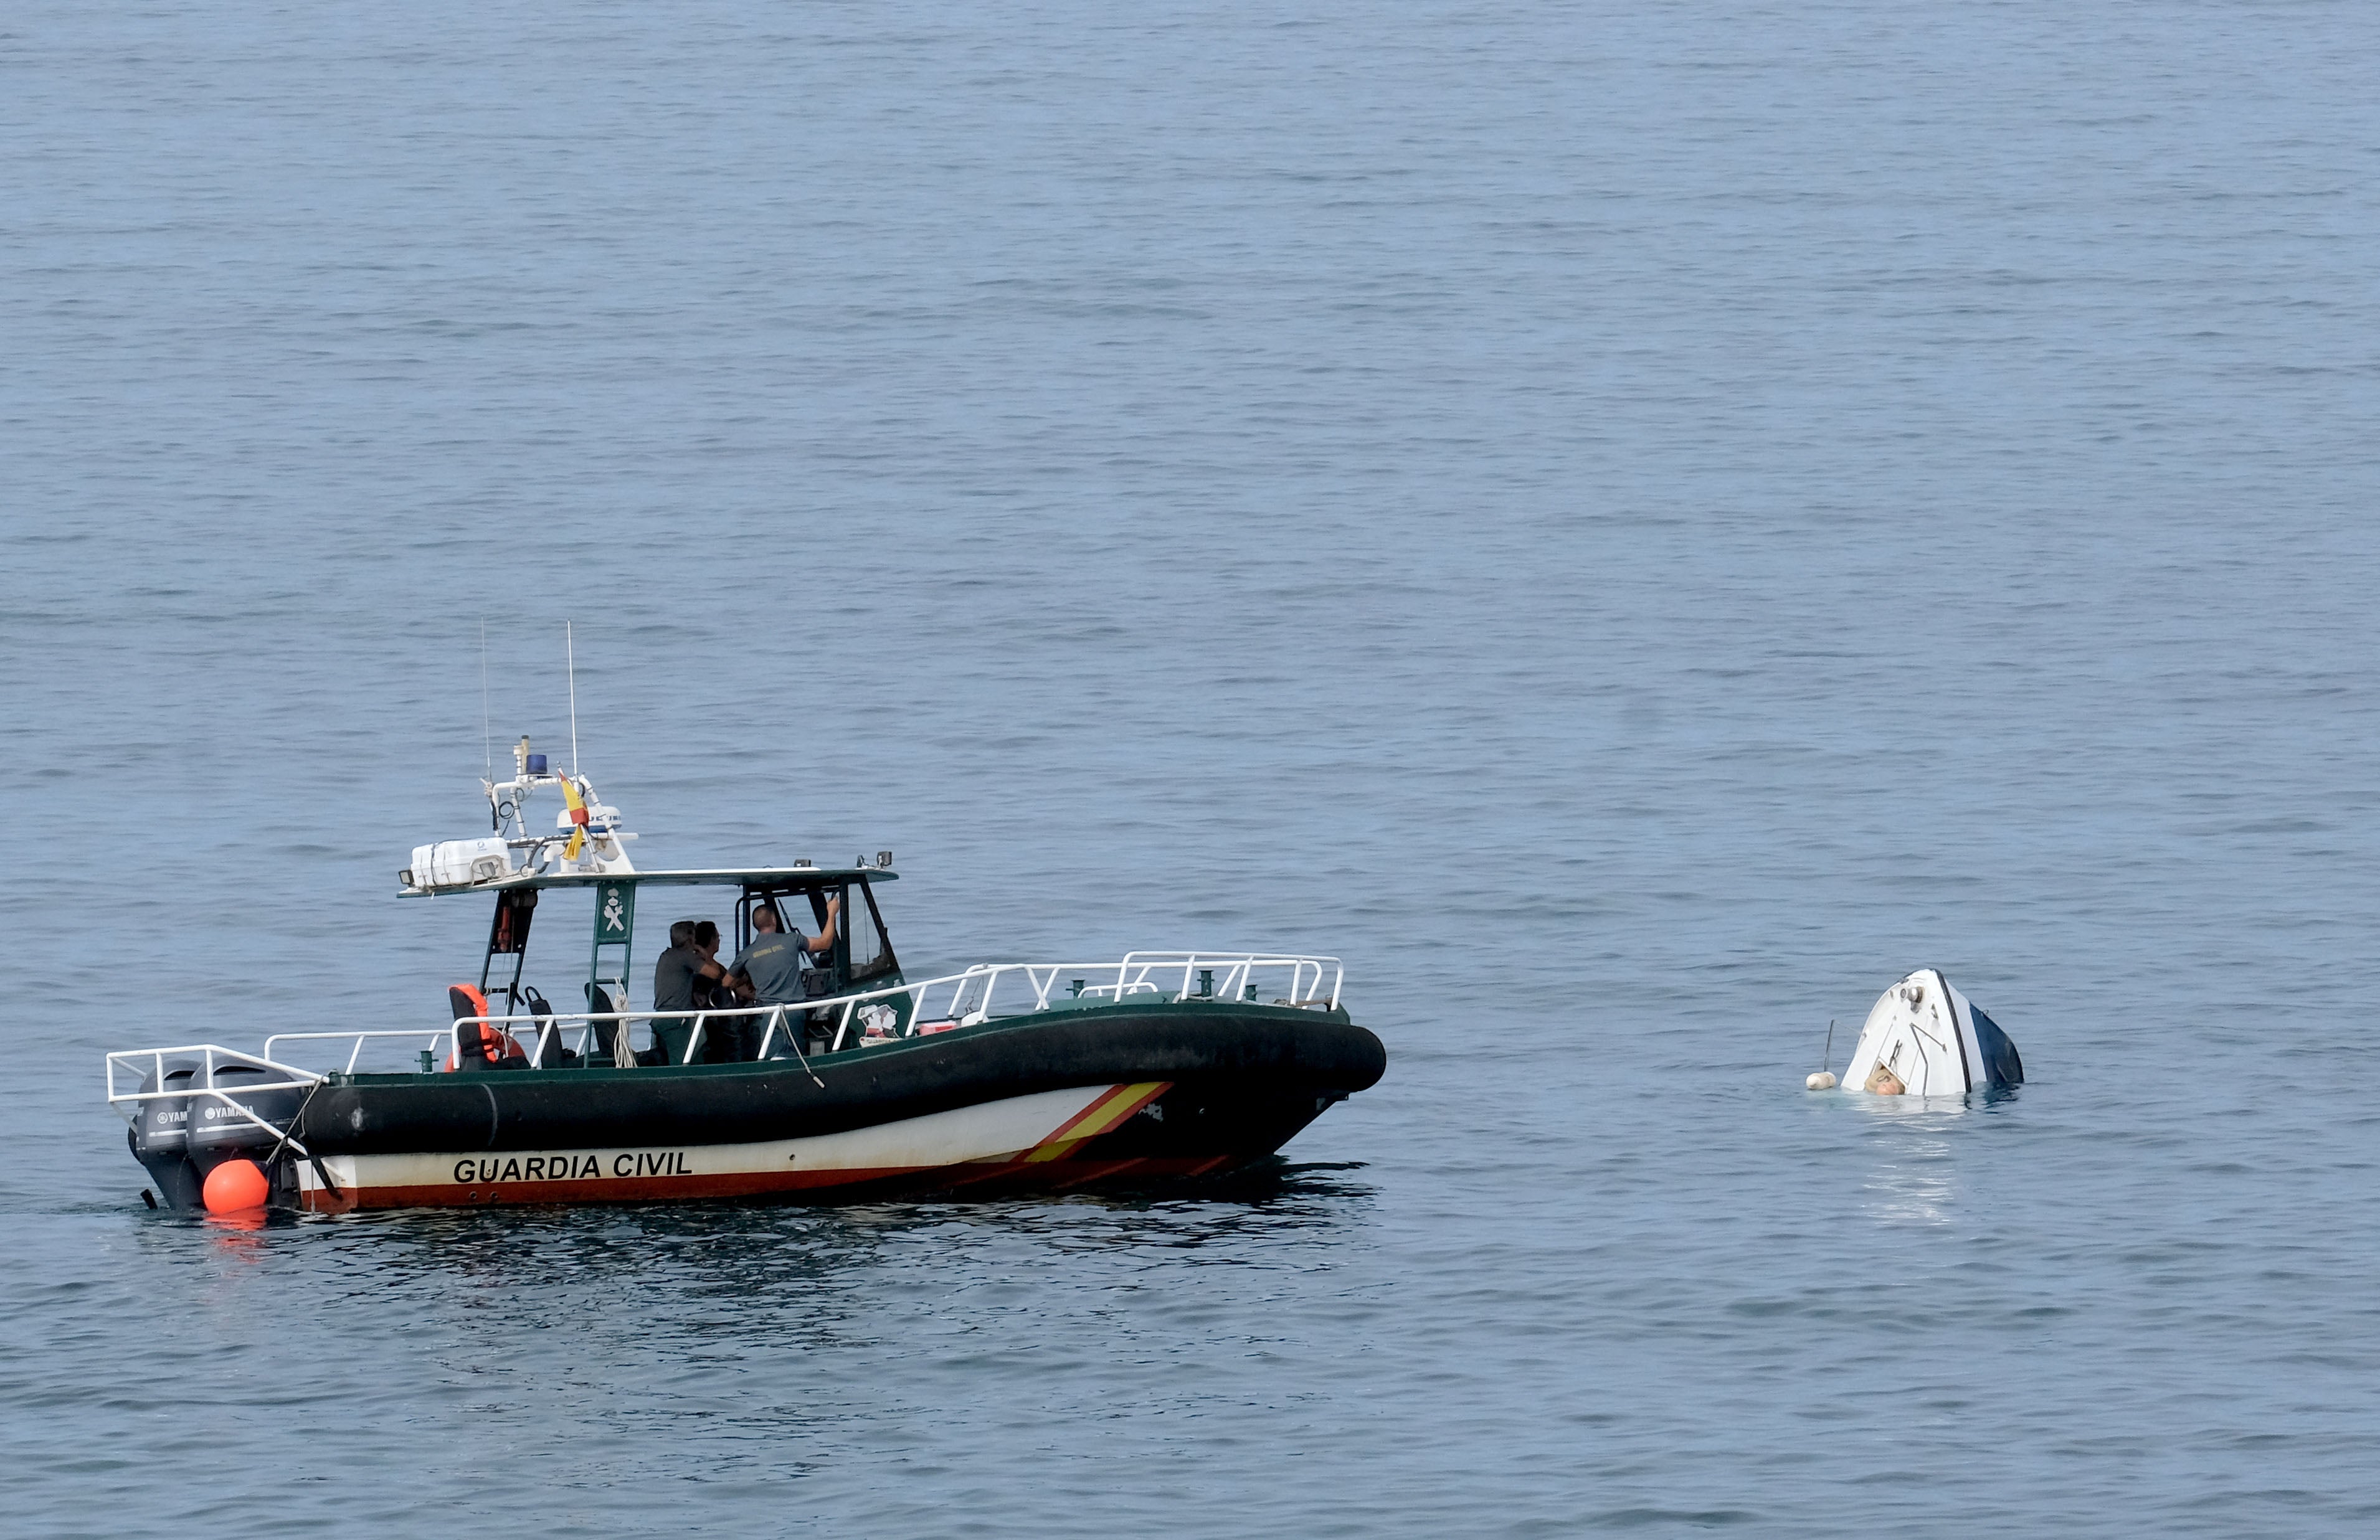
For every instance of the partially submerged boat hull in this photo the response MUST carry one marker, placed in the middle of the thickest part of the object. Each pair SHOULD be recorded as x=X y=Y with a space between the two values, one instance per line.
x=1126 y=1094
x=1927 y=1037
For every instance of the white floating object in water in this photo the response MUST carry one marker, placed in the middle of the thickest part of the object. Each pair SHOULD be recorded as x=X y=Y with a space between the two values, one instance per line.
x=1924 y=1039
x=1820 y=1081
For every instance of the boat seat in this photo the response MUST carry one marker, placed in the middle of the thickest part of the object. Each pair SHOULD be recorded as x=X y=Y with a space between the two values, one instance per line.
x=475 y=1060
x=609 y=1045
x=547 y=1053
x=466 y=1002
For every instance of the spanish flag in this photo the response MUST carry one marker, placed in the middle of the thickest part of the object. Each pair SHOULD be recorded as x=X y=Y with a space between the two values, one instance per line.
x=578 y=805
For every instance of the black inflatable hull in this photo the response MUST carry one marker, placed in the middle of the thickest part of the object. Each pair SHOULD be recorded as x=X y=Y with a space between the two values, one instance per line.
x=1128 y=1093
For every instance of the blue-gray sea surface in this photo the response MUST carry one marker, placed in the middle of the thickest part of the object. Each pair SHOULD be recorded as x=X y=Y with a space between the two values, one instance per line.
x=1635 y=524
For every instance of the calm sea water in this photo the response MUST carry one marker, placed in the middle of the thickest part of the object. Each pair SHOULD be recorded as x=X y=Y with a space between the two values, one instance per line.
x=1636 y=526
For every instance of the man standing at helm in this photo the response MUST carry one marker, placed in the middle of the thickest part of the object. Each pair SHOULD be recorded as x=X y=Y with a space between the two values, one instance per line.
x=677 y=974
x=769 y=972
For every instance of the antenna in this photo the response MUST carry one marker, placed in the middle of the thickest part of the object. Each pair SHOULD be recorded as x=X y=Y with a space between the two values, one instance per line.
x=570 y=653
x=486 y=739
x=1823 y=1079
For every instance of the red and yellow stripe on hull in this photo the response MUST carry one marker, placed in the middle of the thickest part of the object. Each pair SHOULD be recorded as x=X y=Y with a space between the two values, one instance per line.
x=1103 y=1116
x=1026 y=1140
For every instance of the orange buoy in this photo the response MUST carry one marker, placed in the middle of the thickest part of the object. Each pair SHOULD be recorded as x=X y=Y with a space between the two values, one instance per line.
x=236 y=1185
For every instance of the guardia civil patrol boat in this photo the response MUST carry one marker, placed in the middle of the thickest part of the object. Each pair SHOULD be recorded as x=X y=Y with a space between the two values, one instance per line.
x=1156 y=1066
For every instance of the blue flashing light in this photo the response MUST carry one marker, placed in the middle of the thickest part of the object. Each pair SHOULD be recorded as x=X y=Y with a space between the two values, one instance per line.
x=536 y=764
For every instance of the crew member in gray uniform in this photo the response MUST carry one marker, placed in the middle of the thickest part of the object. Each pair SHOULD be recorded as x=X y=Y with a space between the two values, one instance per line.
x=769 y=972
x=680 y=970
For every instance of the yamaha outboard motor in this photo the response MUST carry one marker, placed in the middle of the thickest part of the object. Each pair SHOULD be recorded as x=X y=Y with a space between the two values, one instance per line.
x=160 y=1136
x=218 y=1133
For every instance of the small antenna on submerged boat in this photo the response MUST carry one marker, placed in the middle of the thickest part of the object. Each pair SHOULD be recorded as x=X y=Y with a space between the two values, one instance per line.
x=570 y=662
x=1825 y=1079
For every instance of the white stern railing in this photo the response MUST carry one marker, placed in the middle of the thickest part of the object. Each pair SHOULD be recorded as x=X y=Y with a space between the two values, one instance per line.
x=141 y=1062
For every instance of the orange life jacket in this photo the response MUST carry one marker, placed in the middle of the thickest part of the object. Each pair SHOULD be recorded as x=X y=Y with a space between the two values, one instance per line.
x=482 y=1042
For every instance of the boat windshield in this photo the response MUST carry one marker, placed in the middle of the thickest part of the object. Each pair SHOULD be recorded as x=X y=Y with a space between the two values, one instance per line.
x=864 y=933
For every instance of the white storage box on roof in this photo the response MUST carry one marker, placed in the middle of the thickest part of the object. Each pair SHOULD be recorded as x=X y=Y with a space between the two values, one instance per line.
x=460 y=863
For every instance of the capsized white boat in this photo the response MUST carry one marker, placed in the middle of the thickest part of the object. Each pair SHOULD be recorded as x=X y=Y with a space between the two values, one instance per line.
x=1925 y=1039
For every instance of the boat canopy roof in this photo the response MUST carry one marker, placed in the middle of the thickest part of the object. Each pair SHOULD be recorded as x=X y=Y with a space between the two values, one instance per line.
x=719 y=876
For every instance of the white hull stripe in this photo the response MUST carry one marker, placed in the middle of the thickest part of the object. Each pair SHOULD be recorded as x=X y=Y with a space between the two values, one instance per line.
x=1019 y=1128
